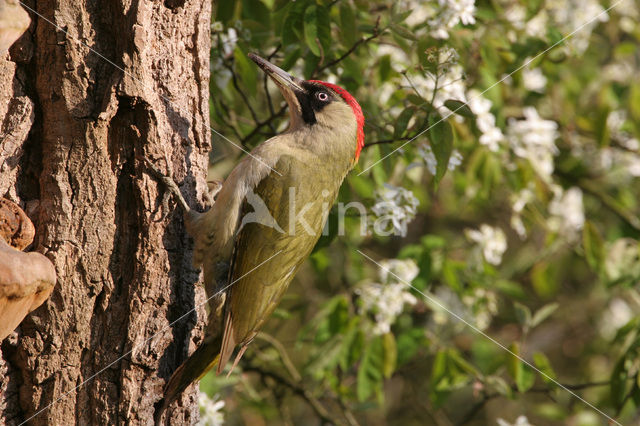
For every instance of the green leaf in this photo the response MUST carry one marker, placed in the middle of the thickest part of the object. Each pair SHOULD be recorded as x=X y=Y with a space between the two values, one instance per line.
x=398 y=17
x=370 y=370
x=460 y=108
x=634 y=101
x=247 y=70
x=619 y=383
x=541 y=361
x=350 y=343
x=384 y=68
x=317 y=27
x=278 y=4
x=256 y=11
x=441 y=137
x=293 y=24
x=593 y=246
x=348 y=26
x=522 y=374
x=403 y=32
x=523 y=314
x=390 y=354
x=311 y=29
x=543 y=313
x=402 y=121
x=224 y=11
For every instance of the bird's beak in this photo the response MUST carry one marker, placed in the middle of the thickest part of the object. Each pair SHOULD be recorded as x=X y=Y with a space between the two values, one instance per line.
x=287 y=84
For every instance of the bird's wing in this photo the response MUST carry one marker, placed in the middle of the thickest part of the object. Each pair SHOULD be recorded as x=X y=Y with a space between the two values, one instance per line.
x=268 y=254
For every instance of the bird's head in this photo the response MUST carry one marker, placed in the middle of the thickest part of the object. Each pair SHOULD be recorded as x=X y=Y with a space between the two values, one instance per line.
x=315 y=102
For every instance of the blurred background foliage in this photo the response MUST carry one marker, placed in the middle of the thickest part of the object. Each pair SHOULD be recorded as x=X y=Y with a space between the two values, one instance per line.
x=502 y=165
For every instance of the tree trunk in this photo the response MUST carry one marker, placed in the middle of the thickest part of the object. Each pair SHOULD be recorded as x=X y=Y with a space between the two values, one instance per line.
x=91 y=86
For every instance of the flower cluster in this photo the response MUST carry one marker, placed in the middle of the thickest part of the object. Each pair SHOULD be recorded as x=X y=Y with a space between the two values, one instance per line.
x=447 y=82
x=451 y=13
x=577 y=17
x=386 y=300
x=226 y=42
x=534 y=139
x=518 y=201
x=628 y=157
x=428 y=158
x=483 y=305
x=394 y=208
x=491 y=241
x=567 y=212
x=533 y=79
x=485 y=120
x=520 y=421
x=210 y=410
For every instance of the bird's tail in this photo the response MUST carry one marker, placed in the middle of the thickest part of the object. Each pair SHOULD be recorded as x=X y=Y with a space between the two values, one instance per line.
x=194 y=368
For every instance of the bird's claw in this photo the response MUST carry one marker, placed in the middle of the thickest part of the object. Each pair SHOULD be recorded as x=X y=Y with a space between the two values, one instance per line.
x=166 y=179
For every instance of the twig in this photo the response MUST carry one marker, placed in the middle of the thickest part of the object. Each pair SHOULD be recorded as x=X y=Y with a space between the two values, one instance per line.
x=363 y=40
x=546 y=390
x=234 y=80
x=321 y=61
x=286 y=361
x=261 y=124
x=383 y=141
x=264 y=81
x=319 y=409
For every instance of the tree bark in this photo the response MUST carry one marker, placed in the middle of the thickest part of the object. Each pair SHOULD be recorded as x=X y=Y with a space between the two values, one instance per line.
x=92 y=85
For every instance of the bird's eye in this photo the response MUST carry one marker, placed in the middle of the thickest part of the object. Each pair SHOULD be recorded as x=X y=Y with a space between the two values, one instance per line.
x=322 y=96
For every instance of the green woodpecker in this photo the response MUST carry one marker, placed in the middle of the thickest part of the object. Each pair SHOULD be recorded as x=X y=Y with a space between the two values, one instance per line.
x=254 y=251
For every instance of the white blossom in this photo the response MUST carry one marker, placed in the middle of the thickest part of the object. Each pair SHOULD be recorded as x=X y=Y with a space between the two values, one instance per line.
x=393 y=270
x=537 y=26
x=483 y=305
x=419 y=14
x=398 y=57
x=617 y=314
x=579 y=17
x=615 y=123
x=428 y=158
x=620 y=71
x=451 y=13
x=394 y=208
x=520 y=421
x=210 y=410
x=629 y=13
x=227 y=42
x=485 y=120
x=622 y=260
x=516 y=14
x=386 y=300
x=491 y=241
x=567 y=212
x=448 y=84
x=534 y=139
x=518 y=202
x=534 y=80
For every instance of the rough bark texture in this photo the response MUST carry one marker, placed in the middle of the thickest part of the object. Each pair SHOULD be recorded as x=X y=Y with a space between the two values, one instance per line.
x=89 y=87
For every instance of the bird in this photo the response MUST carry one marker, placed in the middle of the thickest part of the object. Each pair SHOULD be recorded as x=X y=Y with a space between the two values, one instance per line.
x=267 y=217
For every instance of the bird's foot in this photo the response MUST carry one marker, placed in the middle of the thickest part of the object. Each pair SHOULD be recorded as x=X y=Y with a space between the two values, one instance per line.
x=213 y=186
x=167 y=180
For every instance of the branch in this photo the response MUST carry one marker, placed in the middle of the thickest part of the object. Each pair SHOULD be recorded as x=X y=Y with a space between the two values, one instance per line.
x=488 y=396
x=265 y=77
x=234 y=80
x=286 y=361
x=383 y=141
x=363 y=40
x=261 y=124
x=318 y=408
